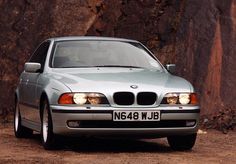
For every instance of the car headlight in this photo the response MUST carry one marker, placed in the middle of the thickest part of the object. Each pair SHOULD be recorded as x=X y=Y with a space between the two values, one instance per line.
x=180 y=98
x=80 y=98
x=172 y=98
x=83 y=98
x=94 y=98
x=184 y=98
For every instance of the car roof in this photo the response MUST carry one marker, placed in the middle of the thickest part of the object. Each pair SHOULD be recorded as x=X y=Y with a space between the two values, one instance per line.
x=70 y=38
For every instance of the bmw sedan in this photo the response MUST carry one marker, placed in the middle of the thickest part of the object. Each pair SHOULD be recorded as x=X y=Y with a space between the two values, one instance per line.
x=80 y=86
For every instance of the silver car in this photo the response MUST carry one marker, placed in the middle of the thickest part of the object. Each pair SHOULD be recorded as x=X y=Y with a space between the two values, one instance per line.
x=79 y=86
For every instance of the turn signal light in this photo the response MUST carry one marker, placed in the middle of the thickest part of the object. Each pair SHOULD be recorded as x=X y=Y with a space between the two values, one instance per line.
x=193 y=97
x=66 y=98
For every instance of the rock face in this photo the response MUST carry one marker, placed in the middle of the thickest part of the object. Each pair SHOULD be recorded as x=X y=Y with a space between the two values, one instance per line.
x=24 y=24
x=198 y=35
x=206 y=51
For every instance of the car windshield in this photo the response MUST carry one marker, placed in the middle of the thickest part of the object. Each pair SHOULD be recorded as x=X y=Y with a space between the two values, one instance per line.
x=94 y=53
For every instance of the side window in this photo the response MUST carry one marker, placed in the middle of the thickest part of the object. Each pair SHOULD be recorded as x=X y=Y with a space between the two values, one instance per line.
x=40 y=54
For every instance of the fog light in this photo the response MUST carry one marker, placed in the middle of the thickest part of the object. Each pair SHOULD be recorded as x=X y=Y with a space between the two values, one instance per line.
x=73 y=124
x=190 y=123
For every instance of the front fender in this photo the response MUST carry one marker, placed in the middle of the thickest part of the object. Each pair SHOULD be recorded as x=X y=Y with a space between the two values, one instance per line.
x=52 y=88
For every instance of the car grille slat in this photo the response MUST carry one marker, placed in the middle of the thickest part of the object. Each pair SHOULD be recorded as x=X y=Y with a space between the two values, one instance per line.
x=146 y=98
x=123 y=98
x=128 y=98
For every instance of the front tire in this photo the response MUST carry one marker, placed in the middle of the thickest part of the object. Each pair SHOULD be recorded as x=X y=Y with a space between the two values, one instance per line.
x=182 y=142
x=19 y=130
x=47 y=136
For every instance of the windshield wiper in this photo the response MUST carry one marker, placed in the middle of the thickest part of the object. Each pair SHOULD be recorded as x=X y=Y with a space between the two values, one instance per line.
x=124 y=66
x=75 y=66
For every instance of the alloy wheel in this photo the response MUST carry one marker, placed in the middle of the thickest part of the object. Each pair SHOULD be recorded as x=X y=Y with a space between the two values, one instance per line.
x=45 y=124
x=17 y=117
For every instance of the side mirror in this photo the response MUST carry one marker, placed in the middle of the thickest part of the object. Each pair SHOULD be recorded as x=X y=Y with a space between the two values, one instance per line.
x=170 y=68
x=32 y=67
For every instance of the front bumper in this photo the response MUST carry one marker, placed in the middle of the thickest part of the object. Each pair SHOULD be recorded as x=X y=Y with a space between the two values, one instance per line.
x=62 y=114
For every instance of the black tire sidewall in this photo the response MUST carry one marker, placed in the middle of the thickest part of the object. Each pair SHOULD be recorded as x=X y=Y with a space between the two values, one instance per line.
x=182 y=142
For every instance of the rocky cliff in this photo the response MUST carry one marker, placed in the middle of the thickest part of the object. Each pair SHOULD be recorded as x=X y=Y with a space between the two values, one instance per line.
x=198 y=35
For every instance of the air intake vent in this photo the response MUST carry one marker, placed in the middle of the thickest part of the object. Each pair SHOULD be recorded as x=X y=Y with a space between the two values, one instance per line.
x=135 y=124
x=146 y=98
x=123 y=98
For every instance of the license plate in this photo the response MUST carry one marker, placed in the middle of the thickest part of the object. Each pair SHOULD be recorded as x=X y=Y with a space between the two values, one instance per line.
x=136 y=115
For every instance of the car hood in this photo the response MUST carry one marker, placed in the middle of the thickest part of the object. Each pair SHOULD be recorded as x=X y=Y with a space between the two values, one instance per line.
x=110 y=80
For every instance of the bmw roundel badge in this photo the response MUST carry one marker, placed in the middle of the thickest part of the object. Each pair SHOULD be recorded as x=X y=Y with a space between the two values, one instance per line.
x=134 y=86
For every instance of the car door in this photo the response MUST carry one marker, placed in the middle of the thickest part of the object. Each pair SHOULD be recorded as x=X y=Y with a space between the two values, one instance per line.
x=22 y=86
x=31 y=112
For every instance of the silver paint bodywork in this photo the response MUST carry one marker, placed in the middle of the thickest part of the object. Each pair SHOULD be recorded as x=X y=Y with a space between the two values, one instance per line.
x=53 y=82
